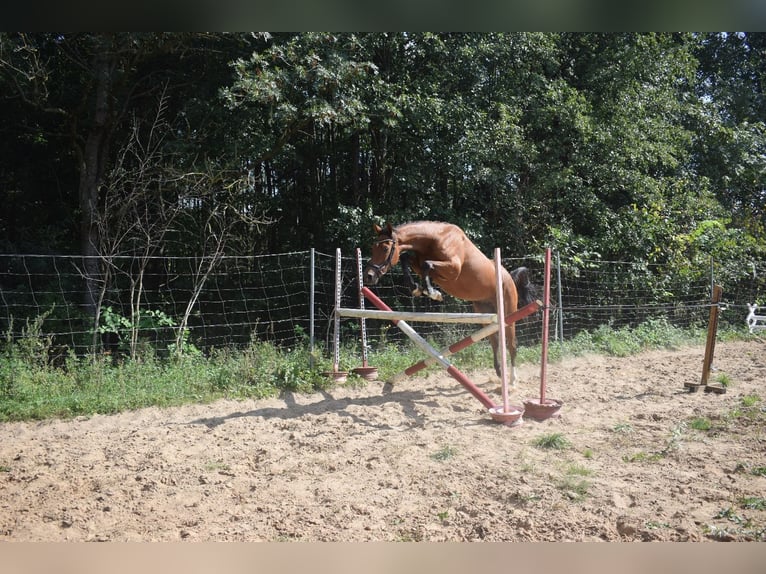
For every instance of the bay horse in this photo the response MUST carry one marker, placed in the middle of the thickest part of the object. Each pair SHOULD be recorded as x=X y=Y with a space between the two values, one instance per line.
x=442 y=253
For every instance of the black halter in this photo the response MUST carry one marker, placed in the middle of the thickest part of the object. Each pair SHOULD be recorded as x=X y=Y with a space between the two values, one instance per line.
x=387 y=263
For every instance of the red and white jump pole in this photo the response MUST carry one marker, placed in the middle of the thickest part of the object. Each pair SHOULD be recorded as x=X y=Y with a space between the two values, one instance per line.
x=482 y=333
x=500 y=307
x=336 y=374
x=365 y=371
x=544 y=407
x=423 y=344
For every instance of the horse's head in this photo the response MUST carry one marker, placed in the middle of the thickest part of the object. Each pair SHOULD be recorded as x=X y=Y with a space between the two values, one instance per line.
x=385 y=254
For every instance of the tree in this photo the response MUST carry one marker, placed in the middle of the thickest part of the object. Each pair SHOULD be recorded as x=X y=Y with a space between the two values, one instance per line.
x=85 y=90
x=731 y=128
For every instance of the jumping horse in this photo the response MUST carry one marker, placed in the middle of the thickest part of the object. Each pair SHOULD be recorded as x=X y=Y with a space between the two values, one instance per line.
x=442 y=253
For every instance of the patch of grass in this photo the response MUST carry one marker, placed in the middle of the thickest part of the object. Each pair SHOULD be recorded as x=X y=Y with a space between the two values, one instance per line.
x=753 y=502
x=642 y=456
x=724 y=380
x=217 y=466
x=701 y=424
x=622 y=428
x=744 y=528
x=32 y=388
x=574 y=487
x=578 y=470
x=588 y=453
x=750 y=400
x=554 y=441
x=35 y=390
x=444 y=453
x=749 y=410
x=5 y=468
x=654 y=525
x=759 y=471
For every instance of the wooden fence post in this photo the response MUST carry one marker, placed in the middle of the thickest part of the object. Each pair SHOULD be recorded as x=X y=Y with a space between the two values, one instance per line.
x=712 y=330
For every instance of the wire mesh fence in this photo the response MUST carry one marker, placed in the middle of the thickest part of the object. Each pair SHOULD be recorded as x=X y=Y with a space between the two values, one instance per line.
x=166 y=301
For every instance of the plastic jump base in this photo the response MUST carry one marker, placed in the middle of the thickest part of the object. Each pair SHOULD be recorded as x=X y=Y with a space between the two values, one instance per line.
x=367 y=373
x=337 y=376
x=535 y=409
x=511 y=418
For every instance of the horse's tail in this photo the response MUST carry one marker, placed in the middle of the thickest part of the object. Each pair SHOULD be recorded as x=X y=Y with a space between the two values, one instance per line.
x=526 y=290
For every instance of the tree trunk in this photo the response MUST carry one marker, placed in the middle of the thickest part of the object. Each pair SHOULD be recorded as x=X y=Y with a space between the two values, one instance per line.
x=92 y=168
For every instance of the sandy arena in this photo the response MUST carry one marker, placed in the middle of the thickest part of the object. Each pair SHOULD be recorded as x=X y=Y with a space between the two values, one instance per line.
x=419 y=461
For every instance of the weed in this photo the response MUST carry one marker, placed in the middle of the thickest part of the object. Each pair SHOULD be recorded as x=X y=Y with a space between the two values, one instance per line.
x=555 y=441
x=749 y=401
x=578 y=470
x=753 y=502
x=759 y=471
x=700 y=424
x=724 y=380
x=653 y=525
x=642 y=456
x=676 y=434
x=749 y=409
x=729 y=514
x=623 y=428
x=745 y=528
x=575 y=488
x=588 y=453
x=217 y=466
x=444 y=453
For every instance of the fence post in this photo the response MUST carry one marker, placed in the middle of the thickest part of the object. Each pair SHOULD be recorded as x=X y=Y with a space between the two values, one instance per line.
x=712 y=330
x=312 y=279
x=560 y=322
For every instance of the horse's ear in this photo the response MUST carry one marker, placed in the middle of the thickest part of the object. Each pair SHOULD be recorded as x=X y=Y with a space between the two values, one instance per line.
x=389 y=229
x=377 y=228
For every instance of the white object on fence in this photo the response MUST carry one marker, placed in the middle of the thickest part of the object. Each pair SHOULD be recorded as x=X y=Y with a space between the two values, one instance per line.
x=755 y=322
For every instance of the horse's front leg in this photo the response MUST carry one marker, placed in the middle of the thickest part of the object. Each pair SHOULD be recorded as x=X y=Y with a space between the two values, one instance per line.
x=405 y=259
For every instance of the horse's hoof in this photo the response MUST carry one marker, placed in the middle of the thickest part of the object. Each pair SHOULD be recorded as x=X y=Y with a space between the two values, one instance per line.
x=417 y=293
x=436 y=296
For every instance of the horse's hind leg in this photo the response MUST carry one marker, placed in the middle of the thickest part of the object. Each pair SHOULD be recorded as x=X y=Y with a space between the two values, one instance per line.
x=428 y=268
x=510 y=339
x=494 y=341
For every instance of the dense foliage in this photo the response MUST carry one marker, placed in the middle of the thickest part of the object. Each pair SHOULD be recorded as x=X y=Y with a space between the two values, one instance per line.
x=634 y=147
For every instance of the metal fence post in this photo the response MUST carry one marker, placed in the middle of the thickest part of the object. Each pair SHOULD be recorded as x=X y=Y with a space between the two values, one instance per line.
x=311 y=309
x=560 y=322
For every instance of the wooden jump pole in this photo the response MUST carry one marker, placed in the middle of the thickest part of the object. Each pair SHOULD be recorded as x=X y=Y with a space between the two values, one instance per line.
x=453 y=371
x=480 y=318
